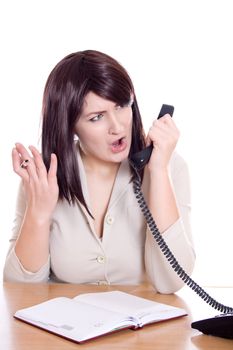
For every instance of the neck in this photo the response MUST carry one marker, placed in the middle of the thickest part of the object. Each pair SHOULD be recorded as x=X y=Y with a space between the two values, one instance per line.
x=97 y=166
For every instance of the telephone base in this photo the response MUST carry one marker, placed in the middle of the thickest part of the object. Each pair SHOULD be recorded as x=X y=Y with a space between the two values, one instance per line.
x=219 y=326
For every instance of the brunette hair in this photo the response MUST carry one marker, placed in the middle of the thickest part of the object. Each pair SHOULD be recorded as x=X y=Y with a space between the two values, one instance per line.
x=65 y=90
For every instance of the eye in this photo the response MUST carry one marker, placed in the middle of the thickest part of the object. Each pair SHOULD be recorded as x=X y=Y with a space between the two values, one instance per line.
x=96 y=118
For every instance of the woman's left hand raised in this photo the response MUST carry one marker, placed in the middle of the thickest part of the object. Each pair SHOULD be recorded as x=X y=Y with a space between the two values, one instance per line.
x=164 y=135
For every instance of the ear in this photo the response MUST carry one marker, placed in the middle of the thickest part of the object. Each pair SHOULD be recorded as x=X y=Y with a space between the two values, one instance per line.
x=131 y=101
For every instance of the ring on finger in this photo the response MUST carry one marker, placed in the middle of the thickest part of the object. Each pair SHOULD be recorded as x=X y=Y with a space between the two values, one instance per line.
x=24 y=164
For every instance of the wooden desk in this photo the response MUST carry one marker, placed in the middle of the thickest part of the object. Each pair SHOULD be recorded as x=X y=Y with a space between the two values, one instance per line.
x=174 y=334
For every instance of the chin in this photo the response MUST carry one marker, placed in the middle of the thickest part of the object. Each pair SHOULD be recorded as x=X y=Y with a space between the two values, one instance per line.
x=120 y=157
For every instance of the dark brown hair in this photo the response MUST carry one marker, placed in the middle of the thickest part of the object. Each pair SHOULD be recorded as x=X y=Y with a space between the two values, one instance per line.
x=65 y=90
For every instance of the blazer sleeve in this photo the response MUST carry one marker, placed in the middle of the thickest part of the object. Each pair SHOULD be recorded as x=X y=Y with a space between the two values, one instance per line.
x=13 y=269
x=178 y=236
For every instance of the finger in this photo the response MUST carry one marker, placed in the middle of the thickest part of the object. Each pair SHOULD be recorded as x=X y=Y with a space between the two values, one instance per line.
x=39 y=164
x=16 y=163
x=168 y=120
x=52 y=173
x=162 y=132
x=169 y=126
x=31 y=169
x=156 y=134
x=165 y=118
x=159 y=126
x=166 y=124
x=148 y=139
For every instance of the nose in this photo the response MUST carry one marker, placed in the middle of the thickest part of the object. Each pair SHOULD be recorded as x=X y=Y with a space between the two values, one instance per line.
x=115 y=126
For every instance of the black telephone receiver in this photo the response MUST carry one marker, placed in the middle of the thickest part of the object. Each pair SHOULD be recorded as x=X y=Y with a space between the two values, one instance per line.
x=221 y=325
x=140 y=159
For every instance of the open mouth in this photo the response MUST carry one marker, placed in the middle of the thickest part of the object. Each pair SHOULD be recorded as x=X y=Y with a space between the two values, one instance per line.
x=119 y=145
x=118 y=142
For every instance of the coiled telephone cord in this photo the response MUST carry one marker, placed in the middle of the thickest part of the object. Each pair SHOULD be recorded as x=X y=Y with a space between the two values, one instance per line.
x=167 y=252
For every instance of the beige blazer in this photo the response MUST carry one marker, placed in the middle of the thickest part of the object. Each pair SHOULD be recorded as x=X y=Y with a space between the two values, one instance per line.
x=127 y=252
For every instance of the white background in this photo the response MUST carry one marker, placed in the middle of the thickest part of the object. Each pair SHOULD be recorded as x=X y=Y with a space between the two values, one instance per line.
x=177 y=52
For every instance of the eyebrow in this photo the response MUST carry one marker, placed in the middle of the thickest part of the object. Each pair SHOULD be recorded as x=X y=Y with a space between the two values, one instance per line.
x=97 y=112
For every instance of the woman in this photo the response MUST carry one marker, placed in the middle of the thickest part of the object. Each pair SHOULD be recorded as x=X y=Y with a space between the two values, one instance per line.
x=77 y=218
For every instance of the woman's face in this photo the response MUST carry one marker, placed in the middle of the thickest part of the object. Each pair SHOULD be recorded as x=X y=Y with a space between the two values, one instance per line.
x=104 y=129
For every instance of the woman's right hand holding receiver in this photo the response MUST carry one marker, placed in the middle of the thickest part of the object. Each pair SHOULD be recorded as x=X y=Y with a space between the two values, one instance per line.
x=32 y=245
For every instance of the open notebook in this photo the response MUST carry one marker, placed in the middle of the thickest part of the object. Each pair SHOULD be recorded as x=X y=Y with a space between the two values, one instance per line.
x=94 y=314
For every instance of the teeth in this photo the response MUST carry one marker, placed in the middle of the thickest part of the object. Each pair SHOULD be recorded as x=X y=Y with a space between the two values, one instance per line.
x=116 y=142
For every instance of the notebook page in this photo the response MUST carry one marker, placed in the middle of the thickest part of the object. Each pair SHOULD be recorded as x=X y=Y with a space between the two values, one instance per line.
x=73 y=319
x=143 y=310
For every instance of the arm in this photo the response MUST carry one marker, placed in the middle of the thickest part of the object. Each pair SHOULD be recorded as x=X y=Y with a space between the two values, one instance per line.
x=161 y=198
x=169 y=202
x=31 y=247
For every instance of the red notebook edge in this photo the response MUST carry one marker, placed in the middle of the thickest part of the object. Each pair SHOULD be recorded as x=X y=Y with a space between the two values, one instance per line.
x=124 y=328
